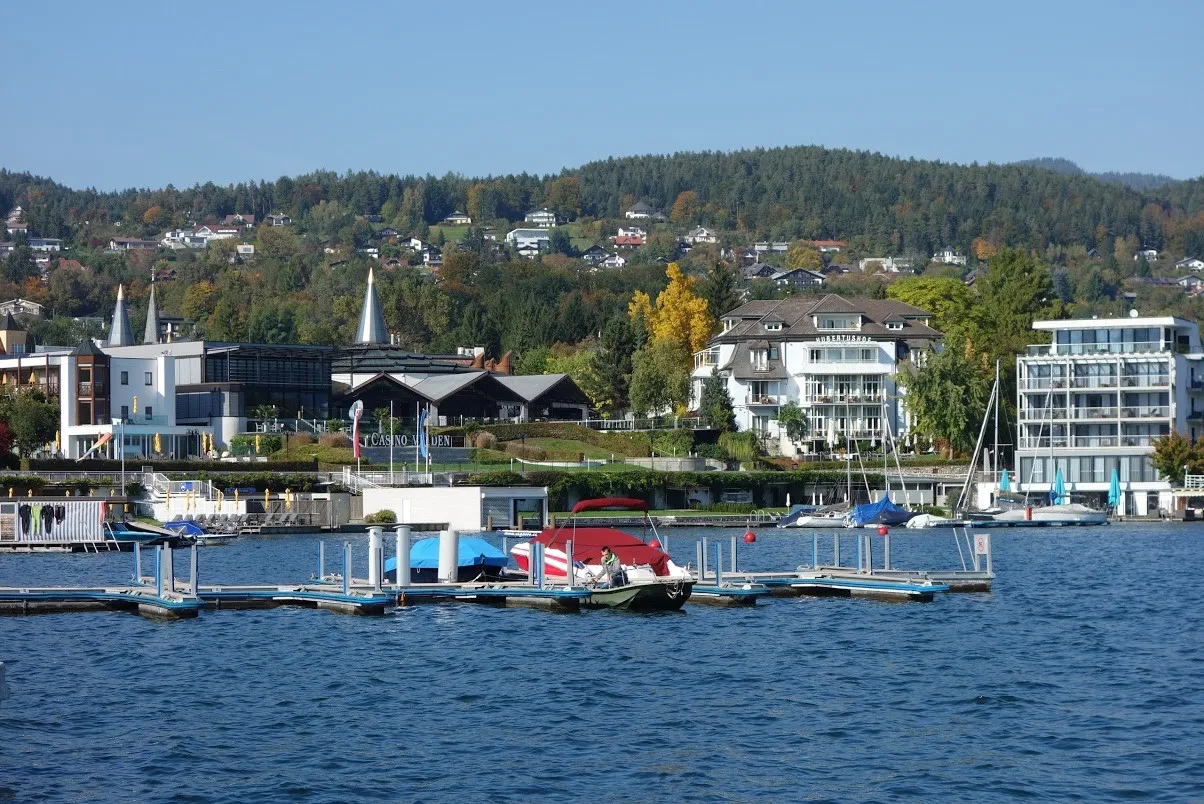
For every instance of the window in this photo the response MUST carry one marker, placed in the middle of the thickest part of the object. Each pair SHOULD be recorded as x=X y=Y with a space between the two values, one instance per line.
x=759 y=359
x=150 y=412
x=894 y=325
x=773 y=353
x=773 y=326
x=148 y=378
x=125 y=378
x=829 y=322
x=125 y=411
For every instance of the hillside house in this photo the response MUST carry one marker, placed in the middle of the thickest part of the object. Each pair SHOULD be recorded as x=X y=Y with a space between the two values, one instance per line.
x=629 y=241
x=541 y=218
x=829 y=246
x=594 y=254
x=797 y=278
x=890 y=265
x=948 y=256
x=771 y=247
x=240 y=219
x=279 y=219
x=632 y=231
x=21 y=307
x=1150 y=254
x=458 y=218
x=701 y=234
x=1190 y=264
x=131 y=244
x=760 y=270
x=613 y=261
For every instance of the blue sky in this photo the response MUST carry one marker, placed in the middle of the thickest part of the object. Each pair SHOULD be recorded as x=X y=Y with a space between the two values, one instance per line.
x=123 y=94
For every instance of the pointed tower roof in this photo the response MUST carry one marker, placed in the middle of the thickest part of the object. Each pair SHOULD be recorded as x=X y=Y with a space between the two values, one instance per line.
x=120 y=333
x=151 y=333
x=372 y=321
x=9 y=324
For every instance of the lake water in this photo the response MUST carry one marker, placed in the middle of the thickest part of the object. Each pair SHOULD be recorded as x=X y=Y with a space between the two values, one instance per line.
x=1080 y=677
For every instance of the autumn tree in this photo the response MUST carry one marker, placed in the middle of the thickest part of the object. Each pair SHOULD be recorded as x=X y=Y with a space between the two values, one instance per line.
x=679 y=315
x=954 y=306
x=685 y=208
x=30 y=417
x=805 y=256
x=1175 y=455
x=564 y=196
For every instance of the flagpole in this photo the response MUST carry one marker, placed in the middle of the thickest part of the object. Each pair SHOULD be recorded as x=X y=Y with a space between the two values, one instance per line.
x=390 y=442
x=417 y=437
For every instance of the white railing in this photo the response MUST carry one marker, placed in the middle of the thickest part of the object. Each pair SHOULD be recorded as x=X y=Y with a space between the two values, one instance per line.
x=1146 y=381
x=1193 y=482
x=763 y=399
x=1094 y=413
x=1042 y=414
x=1146 y=412
x=1093 y=382
x=1096 y=348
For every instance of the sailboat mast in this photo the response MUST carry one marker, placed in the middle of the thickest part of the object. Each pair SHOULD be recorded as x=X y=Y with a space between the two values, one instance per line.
x=995 y=454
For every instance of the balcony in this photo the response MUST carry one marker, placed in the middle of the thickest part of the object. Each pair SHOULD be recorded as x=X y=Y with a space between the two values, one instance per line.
x=1044 y=383
x=1146 y=381
x=706 y=359
x=1074 y=349
x=1146 y=412
x=1138 y=440
x=764 y=399
x=1093 y=382
x=1074 y=442
x=853 y=397
x=1094 y=413
x=1042 y=414
x=137 y=419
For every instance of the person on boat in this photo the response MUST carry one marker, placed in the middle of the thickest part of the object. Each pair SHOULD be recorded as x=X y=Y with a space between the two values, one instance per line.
x=612 y=570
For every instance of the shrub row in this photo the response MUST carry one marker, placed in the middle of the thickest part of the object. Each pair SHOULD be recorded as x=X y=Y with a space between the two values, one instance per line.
x=136 y=464
x=623 y=443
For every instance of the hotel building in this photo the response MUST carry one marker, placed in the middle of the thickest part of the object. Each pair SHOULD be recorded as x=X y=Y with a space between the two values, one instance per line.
x=1095 y=400
x=837 y=358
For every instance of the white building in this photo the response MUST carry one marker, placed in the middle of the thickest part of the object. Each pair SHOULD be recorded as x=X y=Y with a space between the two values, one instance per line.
x=1150 y=254
x=1095 y=400
x=837 y=358
x=529 y=242
x=948 y=256
x=1190 y=264
x=541 y=218
x=892 y=265
x=701 y=234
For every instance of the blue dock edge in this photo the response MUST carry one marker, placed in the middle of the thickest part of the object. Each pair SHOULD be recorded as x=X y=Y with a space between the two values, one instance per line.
x=744 y=594
x=843 y=585
x=133 y=598
x=556 y=599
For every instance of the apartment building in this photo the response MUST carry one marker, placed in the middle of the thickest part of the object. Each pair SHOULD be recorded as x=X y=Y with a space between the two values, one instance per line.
x=1095 y=399
x=837 y=358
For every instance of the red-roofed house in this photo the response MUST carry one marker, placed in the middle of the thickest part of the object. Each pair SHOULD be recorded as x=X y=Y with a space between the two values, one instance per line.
x=629 y=241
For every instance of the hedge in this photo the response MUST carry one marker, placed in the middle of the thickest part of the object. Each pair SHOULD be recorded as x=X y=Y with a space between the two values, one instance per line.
x=136 y=464
x=256 y=480
x=23 y=484
x=625 y=443
x=643 y=482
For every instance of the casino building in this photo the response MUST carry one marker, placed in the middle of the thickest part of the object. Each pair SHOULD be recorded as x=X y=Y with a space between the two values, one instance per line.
x=836 y=358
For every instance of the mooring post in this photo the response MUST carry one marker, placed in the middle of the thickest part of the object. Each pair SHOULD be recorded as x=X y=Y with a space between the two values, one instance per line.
x=137 y=563
x=836 y=549
x=815 y=550
x=859 y=559
x=346 y=567
x=706 y=556
x=170 y=555
x=571 y=570
x=159 y=571
x=196 y=590
x=698 y=558
x=886 y=551
x=869 y=552
x=718 y=563
x=665 y=542
x=375 y=557
x=403 y=556
x=321 y=561
x=735 y=543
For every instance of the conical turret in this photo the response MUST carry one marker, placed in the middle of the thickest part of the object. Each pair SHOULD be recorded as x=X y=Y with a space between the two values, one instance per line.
x=151 y=333
x=372 y=321
x=120 y=333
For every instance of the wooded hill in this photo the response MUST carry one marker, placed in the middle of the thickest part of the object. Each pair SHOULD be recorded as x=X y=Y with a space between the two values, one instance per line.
x=881 y=203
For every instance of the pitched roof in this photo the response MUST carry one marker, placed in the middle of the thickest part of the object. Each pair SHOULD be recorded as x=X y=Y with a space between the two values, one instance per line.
x=9 y=324
x=87 y=347
x=741 y=363
x=372 y=327
x=120 y=333
x=151 y=333
x=796 y=313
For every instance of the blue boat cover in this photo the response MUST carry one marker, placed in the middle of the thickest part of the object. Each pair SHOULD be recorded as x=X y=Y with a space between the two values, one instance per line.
x=883 y=512
x=474 y=552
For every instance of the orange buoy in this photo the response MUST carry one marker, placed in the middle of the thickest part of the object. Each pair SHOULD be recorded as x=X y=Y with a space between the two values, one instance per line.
x=655 y=543
x=749 y=537
x=883 y=530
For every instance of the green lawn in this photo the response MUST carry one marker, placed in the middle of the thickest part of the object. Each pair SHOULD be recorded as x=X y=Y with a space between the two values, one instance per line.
x=451 y=234
x=566 y=449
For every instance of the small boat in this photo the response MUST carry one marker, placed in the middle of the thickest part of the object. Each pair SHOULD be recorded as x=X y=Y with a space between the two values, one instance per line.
x=1066 y=514
x=195 y=531
x=810 y=517
x=478 y=560
x=931 y=521
x=124 y=532
x=654 y=582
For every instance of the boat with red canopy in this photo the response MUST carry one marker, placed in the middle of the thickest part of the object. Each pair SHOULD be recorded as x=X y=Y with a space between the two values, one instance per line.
x=653 y=581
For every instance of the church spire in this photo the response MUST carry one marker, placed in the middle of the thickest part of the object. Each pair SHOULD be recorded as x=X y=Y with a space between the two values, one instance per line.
x=372 y=321
x=120 y=333
x=151 y=333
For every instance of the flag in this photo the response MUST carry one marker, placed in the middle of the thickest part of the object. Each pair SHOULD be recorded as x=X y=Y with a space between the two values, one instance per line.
x=422 y=446
x=355 y=432
x=100 y=442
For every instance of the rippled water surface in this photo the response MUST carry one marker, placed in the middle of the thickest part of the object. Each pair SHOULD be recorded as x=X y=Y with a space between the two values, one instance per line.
x=1079 y=677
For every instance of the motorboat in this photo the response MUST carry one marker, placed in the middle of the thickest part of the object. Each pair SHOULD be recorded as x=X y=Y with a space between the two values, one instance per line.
x=653 y=581
x=810 y=517
x=1061 y=515
x=932 y=521
x=192 y=529
x=477 y=560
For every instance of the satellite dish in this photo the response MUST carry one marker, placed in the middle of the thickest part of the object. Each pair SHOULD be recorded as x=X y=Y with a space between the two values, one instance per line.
x=1132 y=314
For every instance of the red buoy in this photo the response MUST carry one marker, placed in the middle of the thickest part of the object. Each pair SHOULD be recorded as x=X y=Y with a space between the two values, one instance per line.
x=883 y=530
x=750 y=537
x=655 y=543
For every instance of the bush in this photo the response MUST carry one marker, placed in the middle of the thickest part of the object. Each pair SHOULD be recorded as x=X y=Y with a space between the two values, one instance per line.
x=382 y=517
x=484 y=440
x=623 y=443
x=134 y=465
x=526 y=453
x=678 y=443
x=741 y=446
x=728 y=508
x=334 y=440
x=334 y=425
x=244 y=444
x=713 y=451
